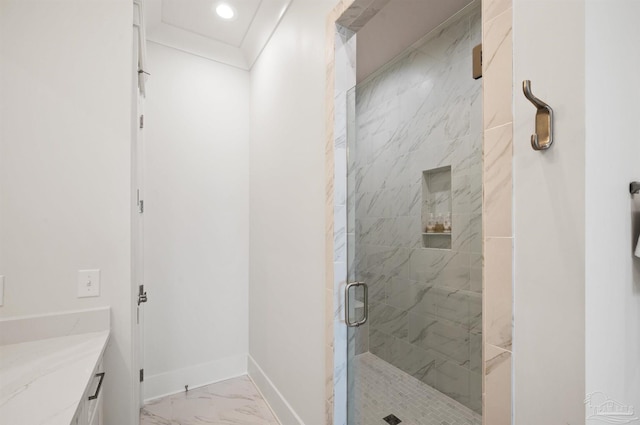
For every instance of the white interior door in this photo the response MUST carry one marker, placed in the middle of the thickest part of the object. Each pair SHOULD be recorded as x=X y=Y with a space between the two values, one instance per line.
x=138 y=207
x=139 y=243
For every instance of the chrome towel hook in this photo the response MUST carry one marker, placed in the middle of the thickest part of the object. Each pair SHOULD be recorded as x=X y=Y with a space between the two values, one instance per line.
x=542 y=139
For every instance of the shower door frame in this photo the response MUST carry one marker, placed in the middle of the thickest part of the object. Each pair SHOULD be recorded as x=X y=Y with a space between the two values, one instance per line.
x=343 y=23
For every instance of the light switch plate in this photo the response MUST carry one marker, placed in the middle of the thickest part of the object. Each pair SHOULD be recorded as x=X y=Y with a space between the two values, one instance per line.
x=1 y=290
x=88 y=283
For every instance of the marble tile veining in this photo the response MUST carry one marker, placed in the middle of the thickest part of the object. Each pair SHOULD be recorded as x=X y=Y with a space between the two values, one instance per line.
x=418 y=149
x=497 y=386
x=495 y=25
x=497 y=63
x=381 y=390
x=232 y=402
x=497 y=28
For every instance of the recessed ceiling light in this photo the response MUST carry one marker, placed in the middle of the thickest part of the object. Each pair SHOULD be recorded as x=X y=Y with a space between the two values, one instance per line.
x=225 y=11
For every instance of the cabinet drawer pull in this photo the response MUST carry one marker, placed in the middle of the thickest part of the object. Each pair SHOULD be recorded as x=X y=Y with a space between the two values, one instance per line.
x=101 y=375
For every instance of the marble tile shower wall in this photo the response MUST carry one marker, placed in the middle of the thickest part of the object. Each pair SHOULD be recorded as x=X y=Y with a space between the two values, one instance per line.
x=422 y=111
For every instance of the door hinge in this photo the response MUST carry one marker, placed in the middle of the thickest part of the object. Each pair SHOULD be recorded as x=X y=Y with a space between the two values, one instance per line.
x=141 y=121
x=477 y=62
x=140 y=202
x=141 y=375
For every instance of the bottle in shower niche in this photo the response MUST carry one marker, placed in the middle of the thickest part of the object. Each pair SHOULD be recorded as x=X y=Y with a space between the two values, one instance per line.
x=431 y=224
x=439 y=224
x=447 y=223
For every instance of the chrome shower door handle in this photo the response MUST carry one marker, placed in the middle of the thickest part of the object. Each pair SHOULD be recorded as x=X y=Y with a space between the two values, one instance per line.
x=347 y=304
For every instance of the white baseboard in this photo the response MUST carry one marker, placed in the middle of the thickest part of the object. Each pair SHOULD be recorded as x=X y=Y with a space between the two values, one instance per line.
x=281 y=408
x=173 y=382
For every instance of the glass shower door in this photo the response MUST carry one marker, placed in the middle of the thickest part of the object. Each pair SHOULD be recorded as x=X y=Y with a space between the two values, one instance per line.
x=414 y=234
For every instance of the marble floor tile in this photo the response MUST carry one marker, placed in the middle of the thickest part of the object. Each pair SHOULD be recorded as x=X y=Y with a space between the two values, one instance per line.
x=382 y=389
x=232 y=402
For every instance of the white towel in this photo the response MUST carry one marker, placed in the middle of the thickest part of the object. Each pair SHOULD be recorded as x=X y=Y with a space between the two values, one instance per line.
x=638 y=248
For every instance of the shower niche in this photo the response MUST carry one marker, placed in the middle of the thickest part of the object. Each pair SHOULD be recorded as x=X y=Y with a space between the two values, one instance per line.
x=436 y=208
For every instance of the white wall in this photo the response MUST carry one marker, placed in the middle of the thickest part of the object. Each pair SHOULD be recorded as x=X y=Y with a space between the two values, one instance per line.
x=65 y=133
x=549 y=216
x=196 y=221
x=612 y=216
x=287 y=264
x=577 y=284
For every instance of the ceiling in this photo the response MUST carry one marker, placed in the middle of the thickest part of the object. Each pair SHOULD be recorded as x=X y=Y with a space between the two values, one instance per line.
x=193 y=26
x=397 y=26
x=198 y=17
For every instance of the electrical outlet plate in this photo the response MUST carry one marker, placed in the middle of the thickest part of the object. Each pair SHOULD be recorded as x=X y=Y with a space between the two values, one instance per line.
x=88 y=283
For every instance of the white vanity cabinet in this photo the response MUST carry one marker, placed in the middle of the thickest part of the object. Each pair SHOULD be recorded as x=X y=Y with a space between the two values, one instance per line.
x=89 y=410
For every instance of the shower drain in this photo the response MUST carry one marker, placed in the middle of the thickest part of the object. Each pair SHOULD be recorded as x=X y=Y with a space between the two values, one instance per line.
x=392 y=420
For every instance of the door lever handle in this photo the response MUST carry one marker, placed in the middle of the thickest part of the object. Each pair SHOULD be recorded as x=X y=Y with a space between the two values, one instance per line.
x=142 y=295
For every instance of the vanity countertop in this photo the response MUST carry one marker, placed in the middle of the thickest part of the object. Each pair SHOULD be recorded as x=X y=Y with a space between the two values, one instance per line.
x=43 y=381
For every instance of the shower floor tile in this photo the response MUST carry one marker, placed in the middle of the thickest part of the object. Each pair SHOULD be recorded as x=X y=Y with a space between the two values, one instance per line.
x=382 y=390
x=232 y=402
